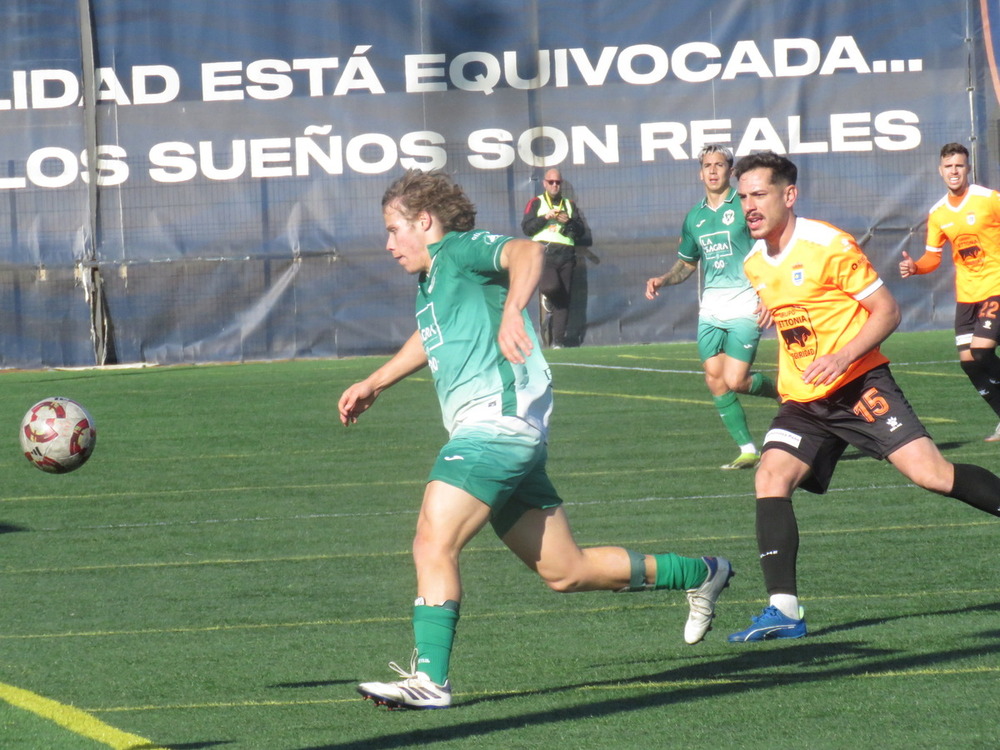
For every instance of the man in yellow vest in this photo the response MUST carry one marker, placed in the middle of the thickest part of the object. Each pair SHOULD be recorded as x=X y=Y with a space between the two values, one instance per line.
x=558 y=223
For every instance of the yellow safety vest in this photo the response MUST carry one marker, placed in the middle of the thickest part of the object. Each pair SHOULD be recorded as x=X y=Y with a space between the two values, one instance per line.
x=553 y=230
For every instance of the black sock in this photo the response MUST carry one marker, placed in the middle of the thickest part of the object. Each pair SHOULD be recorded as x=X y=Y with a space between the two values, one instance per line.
x=778 y=544
x=979 y=373
x=987 y=358
x=977 y=487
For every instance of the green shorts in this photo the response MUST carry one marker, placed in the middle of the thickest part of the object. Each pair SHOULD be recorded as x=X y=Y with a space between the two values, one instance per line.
x=503 y=465
x=737 y=338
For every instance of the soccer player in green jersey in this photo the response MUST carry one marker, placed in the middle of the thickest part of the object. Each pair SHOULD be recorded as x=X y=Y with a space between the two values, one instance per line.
x=495 y=392
x=715 y=236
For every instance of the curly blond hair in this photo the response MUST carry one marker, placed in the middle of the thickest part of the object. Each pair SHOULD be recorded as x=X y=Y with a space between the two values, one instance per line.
x=434 y=192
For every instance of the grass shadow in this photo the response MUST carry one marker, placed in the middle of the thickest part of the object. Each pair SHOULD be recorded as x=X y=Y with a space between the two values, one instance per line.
x=805 y=661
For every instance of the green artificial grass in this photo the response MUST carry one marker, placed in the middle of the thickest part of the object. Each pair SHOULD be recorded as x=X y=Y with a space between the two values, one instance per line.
x=232 y=561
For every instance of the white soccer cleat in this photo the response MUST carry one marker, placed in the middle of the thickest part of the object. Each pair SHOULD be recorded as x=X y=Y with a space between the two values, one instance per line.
x=993 y=437
x=415 y=690
x=702 y=599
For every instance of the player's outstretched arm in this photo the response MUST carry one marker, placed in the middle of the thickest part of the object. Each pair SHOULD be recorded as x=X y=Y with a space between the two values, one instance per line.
x=523 y=260
x=882 y=320
x=927 y=262
x=359 y=397
x=680 y=272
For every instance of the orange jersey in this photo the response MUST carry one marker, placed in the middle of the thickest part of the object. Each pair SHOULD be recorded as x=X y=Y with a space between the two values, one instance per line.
x=973 y=229
x=813 y=289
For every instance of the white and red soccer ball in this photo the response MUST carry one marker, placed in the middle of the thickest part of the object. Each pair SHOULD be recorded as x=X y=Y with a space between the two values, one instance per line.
x=58 y=435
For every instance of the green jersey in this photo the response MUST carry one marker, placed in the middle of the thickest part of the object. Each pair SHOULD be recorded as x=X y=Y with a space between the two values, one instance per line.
x=718 y=238
x=459 y=305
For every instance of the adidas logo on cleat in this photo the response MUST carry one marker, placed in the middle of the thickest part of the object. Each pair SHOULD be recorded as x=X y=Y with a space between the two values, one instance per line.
x=415 y=690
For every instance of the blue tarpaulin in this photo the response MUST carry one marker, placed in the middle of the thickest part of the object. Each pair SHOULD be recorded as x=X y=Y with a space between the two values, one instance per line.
x=192 y=182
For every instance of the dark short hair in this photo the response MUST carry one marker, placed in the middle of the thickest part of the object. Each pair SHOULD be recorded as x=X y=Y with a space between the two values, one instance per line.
x=434 y=192
x=950 y=149
x=782 y=168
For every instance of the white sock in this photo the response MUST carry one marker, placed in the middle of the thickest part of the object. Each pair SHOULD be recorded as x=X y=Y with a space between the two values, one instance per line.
x=787 y=604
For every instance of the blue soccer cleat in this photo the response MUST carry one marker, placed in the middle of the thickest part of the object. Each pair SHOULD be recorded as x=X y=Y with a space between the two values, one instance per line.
x=771 y=624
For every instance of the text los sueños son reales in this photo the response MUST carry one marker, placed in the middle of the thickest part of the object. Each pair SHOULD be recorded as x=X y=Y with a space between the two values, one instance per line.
x=320 y=149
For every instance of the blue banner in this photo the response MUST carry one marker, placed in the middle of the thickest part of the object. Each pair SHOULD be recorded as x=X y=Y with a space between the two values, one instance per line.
x=194 y=182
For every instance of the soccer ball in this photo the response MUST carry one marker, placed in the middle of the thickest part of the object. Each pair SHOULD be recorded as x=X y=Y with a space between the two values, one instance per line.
x=58 y=435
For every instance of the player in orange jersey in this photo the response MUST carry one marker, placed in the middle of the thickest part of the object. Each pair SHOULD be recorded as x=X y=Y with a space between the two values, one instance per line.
x=968 y=217
x=832 y=312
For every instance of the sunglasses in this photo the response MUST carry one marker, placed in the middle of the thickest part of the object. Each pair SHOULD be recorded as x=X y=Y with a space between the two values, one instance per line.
x=554 y=182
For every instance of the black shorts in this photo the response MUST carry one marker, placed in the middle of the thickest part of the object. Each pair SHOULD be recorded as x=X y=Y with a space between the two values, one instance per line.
x=870 y=412
x=979 y=319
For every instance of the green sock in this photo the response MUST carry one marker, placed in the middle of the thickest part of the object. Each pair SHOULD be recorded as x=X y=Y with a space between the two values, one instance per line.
x=434 y=632
x=762 y=385
x=733 y=417
x=676 y=572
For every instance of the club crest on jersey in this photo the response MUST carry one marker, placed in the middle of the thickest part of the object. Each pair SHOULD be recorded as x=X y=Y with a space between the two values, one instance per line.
x=488 y=237
x=970 y=219
x=798 y=275
x=729 y=217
